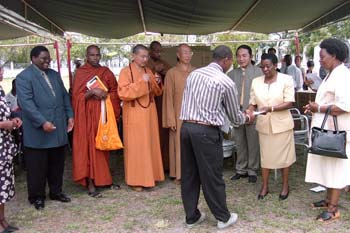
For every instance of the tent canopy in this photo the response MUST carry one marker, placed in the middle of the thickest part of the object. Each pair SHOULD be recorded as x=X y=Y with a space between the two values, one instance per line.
x=122 y=18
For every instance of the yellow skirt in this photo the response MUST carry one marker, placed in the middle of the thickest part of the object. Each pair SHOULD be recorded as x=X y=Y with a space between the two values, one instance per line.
x=277 y=150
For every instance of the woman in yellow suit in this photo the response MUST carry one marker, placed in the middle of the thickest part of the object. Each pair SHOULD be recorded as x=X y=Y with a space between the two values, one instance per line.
x=273 y=94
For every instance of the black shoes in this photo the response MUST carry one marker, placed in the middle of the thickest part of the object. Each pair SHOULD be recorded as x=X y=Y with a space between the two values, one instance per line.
x=239 y=176
x=283 y=197
x=262 y=196
x=9 y=228
x=252 y=179
x=60 y=197
x=39 y=204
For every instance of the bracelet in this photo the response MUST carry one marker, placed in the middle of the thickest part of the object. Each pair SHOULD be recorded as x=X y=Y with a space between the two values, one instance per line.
x=319 y=108
x=272 y=109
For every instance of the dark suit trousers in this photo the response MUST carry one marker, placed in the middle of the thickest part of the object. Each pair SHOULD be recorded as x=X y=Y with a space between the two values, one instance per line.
x=202 y=164
x=42 y=165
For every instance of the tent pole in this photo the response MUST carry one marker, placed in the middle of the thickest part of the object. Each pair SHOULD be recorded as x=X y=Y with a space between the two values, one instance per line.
x=69 y=46
x=297 y=48
x=57 y=57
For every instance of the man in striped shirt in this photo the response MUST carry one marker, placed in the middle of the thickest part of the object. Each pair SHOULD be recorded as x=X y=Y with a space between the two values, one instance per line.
x=209 y=96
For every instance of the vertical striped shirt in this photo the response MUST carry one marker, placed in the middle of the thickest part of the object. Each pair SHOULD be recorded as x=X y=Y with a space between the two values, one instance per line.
x=210 y=95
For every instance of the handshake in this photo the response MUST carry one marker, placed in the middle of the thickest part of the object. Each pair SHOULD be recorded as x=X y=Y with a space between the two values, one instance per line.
x=249 y=115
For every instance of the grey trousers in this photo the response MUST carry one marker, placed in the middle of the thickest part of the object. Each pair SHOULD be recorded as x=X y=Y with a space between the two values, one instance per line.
x=248 y=150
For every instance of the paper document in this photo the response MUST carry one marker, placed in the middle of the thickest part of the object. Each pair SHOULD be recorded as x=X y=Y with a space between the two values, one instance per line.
x=318 y=189
x=258 y=113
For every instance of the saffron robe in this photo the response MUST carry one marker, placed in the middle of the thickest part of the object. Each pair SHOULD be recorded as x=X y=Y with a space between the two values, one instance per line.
x=175 y=82
x=88 y=162
x=142 y=156
x=163 y=132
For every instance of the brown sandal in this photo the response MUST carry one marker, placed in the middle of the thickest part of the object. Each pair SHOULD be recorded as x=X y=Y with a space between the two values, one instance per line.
x=320 y=204
x=329 y=215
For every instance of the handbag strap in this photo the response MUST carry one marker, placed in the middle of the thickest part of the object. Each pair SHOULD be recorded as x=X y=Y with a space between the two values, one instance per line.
x=335 y=121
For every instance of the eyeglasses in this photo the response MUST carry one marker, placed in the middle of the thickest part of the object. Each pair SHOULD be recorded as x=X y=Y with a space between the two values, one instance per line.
x=188 y=53
x=45 y=59
x=143 y=56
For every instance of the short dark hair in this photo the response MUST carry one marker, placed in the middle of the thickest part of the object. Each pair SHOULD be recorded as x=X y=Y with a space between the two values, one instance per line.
x=221 y=52
x=138 y=47
x=301 y=58
x=271 y=49
x=310 y=63
x=269 y=56
x=247 y=47
x=336 y=48
x=37 y=50
x=288 y=58
x=154 y=43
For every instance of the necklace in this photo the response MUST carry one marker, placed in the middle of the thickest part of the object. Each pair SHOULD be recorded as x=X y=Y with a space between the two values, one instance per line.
x=149 y=88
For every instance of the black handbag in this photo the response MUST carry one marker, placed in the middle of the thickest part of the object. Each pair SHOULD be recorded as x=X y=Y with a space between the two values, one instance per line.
x=328 y=142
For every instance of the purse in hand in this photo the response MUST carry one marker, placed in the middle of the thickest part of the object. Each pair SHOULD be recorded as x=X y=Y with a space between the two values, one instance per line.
x=328 y=142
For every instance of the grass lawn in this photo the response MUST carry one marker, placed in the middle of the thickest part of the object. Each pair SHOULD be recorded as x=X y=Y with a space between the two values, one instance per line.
x=160 y=209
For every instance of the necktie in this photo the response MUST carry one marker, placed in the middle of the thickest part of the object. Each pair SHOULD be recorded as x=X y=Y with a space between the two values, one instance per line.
x=48 y=83
x=243 y=84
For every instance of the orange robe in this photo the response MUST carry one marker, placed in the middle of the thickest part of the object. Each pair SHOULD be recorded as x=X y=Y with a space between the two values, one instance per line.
x=142 y=156
x=88 y=162
x=163 y=132
x=175 y=82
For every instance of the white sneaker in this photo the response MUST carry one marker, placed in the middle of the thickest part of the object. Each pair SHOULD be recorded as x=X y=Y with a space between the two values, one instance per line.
x=201 y=219
x=231 y=221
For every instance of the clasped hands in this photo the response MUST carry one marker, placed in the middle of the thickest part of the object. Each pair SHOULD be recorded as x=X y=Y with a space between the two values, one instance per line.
x=49 y=126
x=12 y=124
x=146 y=77
x=251 y=116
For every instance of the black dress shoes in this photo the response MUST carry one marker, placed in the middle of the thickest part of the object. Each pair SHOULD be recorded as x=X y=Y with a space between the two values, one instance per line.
x=239 y=176
x=39 y=204
x=252 y=179
x=11 y=228
x=60 y=197
x=262 y=196
x=283 y=197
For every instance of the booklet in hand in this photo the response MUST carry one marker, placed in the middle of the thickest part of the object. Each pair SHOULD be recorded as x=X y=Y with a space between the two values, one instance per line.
x=96 y=82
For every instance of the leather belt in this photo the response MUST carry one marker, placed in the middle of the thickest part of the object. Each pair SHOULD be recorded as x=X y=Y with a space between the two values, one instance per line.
x=200 y=123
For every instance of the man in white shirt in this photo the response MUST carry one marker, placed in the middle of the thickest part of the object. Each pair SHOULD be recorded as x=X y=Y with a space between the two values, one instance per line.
x=11 y=97
x=293 y=71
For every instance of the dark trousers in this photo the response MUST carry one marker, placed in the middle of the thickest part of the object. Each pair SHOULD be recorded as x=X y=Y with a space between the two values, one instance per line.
x=202 y=164
x=42 y=165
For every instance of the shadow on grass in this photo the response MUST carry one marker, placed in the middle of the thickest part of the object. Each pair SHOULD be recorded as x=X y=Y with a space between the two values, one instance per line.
x=160 y=209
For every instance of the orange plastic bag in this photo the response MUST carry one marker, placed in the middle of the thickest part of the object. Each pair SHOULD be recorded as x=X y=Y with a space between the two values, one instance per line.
x=107 y=137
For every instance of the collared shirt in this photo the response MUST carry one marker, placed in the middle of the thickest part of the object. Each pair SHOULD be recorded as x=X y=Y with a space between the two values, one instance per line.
x=210 y=95
x=44 y=75
x=295 y=72
x=12 y=101
x=243 y=79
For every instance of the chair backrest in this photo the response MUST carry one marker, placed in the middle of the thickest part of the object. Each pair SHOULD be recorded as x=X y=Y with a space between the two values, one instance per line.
x=301 y=130
x=294 y=111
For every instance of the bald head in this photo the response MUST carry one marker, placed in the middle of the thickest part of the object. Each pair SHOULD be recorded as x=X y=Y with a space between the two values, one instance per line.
x=184 y=53
x=93 y=55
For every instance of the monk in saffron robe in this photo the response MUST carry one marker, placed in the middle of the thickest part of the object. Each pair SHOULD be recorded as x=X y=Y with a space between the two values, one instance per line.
x=137 y=88
x=91 y=166
x=175 y=82
x=160 y=67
